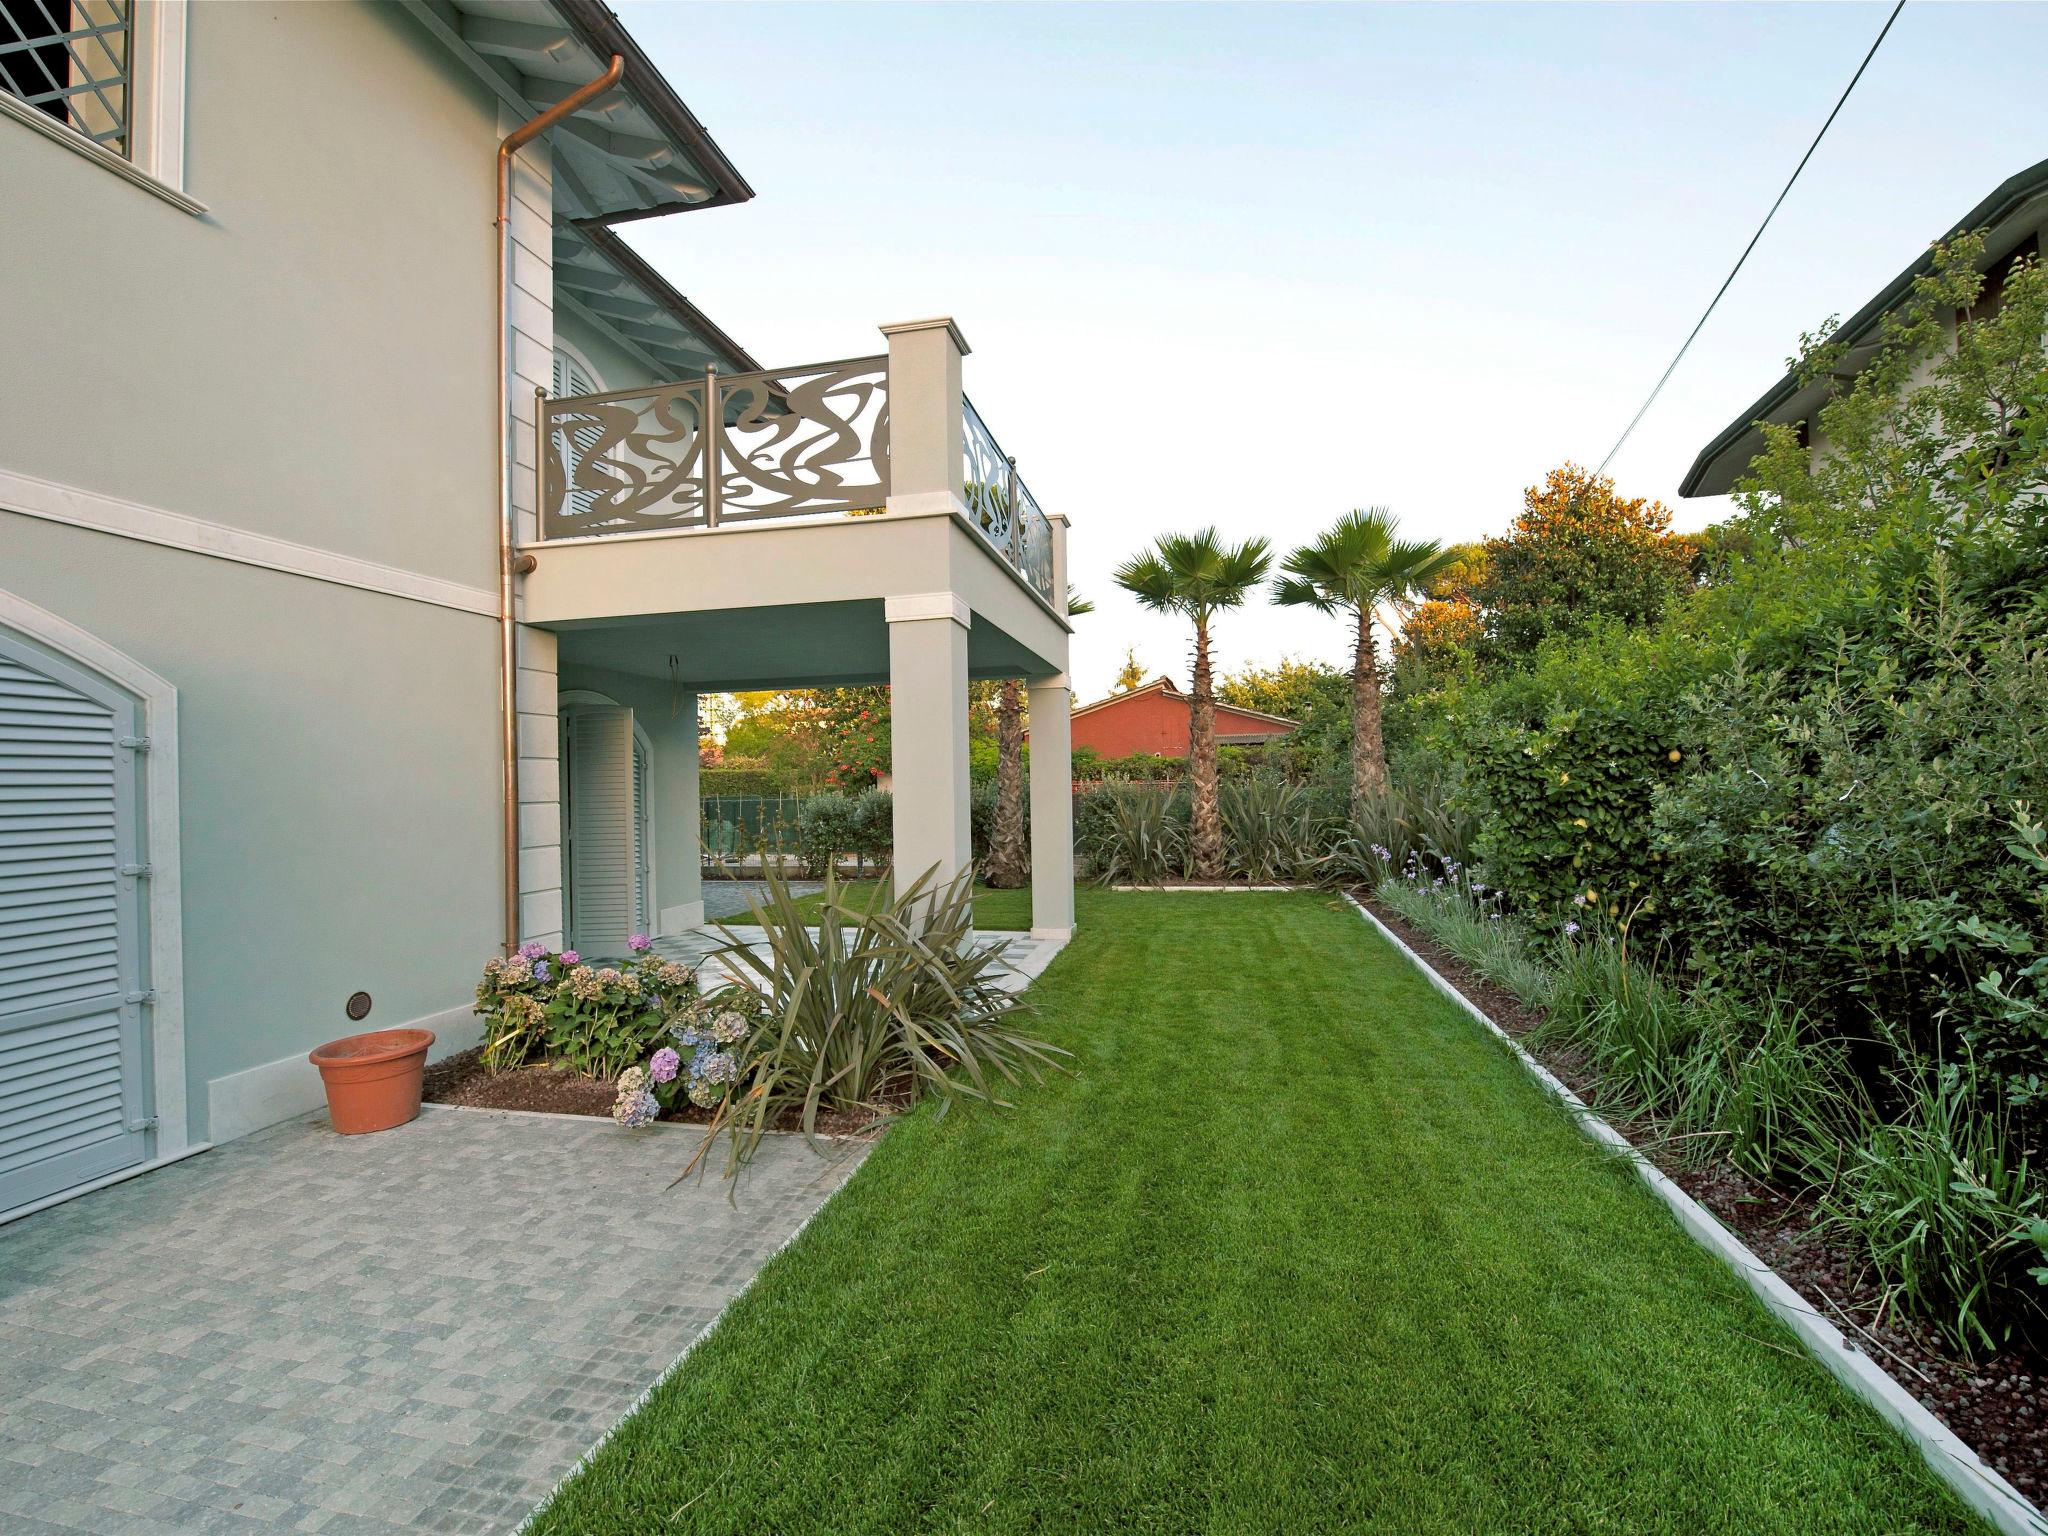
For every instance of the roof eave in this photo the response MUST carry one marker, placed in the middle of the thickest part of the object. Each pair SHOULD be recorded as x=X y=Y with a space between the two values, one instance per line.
x=664 y=293
x=603 y=32
x=1712 y=475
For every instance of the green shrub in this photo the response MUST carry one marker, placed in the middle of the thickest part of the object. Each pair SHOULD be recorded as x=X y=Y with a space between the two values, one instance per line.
x=738 y=781
x=1849 y=836
x=871 y=1005
x=1274 y=830
x=1560 y=765
x=827 y=826
x=1134 y=833
x=874 y=824
x=1148 y=767
x=981 y=817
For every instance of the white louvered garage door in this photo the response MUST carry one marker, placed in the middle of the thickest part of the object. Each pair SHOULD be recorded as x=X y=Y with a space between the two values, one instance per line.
x=71 y=1044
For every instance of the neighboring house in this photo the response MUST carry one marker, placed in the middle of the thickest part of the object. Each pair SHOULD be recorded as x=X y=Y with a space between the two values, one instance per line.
x=262 y=425
x=1158 y=718
x=2014 y=219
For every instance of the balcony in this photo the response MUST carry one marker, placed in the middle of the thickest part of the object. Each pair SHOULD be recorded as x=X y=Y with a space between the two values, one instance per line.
x=840 y=524
x=809 y=442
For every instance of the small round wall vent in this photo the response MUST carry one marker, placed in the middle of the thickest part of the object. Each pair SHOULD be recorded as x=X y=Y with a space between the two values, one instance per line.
x=359 y=1005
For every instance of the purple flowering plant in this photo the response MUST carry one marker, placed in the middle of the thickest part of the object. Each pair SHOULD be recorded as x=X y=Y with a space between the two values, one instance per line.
x=705 y=1057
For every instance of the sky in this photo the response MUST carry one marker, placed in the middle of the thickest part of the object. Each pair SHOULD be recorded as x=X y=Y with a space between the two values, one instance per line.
x=1257 y=265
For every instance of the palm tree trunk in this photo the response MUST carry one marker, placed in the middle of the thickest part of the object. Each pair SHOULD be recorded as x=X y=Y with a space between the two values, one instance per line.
x=1368 y=748
x=1008 y=861
x=1205 y=824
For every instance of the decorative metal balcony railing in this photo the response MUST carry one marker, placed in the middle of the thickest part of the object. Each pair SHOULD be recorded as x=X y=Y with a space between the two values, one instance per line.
x=1002 y=505
x=790 y=442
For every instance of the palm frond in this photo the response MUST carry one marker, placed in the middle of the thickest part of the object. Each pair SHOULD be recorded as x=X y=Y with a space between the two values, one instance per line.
x=1195 y=574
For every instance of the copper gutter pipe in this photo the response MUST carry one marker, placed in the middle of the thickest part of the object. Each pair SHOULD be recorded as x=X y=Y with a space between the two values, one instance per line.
x=508 y=675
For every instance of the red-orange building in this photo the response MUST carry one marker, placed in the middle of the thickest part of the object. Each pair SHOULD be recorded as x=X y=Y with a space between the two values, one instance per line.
x=1159 y=718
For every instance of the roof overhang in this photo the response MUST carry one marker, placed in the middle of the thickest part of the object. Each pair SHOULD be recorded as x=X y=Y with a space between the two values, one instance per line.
x=633 y=153
x=599 y=275
x=2012 y=212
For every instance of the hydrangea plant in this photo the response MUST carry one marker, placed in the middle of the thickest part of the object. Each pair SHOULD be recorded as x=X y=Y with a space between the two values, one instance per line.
x=597 y=1019
x=705 y=1058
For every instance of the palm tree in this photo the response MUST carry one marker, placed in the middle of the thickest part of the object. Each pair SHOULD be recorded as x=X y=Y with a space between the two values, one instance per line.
x=1359 y=567
x=1009 y=861
x=1197 y=576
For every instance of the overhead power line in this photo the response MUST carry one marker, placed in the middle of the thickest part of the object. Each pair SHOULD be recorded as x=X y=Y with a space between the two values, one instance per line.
x=1666 y=377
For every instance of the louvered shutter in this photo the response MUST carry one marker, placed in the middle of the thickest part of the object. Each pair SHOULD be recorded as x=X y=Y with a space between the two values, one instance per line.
x=642 y=917
x=606 y=821
x=575 y=444
x=71 y=1082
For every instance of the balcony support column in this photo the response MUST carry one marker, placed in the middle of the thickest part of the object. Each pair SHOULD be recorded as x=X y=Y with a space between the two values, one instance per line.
x=926 y=429
x=928 y=736
x=1051 y=704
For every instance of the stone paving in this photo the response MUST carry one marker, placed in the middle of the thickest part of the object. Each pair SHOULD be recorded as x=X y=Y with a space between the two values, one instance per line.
x=1024 y=956
x=420 y=1330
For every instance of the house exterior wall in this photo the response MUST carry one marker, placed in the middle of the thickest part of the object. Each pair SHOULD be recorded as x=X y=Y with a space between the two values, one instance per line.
x=1158 y=723
x=301 y=380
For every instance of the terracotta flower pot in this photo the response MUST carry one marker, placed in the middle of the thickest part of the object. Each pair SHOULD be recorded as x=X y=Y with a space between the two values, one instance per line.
x=373 y=1080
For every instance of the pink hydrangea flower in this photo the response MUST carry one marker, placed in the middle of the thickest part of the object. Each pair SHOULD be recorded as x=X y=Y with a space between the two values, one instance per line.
x=665 y=1065
x=639 y=943
x=570 y=957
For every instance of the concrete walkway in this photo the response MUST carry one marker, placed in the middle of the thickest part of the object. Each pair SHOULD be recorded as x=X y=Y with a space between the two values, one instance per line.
x=415 y=1331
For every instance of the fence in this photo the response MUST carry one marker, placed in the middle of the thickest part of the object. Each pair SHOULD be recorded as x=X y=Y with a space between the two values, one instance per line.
x=736 y=826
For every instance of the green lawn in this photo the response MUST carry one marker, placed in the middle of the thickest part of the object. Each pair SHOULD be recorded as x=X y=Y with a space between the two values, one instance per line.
x=994 y=911
x=1298 y=1249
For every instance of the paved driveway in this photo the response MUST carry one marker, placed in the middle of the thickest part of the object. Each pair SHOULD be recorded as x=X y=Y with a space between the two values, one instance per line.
x=415 y=1331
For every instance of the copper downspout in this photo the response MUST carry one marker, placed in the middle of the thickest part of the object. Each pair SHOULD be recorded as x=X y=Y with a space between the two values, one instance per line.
x=508 y=676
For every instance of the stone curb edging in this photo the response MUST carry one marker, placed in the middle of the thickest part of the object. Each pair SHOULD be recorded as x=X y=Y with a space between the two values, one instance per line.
x=1977 y=1485
x=1210 y=890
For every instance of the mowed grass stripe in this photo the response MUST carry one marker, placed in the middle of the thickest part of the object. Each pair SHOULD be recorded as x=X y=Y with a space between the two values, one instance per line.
x=1297 y=1248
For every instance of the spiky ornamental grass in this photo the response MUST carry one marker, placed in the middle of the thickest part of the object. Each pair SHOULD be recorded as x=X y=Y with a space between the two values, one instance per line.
x=1297 y=1248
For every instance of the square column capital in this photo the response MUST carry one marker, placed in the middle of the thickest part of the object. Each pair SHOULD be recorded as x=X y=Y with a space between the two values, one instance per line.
x=913 y=607
x=935 y=323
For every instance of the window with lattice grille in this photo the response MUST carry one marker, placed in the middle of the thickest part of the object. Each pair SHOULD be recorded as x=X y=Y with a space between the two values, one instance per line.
x=74 y=61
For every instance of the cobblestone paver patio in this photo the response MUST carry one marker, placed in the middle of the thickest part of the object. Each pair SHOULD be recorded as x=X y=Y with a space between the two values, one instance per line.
x=415 y=1331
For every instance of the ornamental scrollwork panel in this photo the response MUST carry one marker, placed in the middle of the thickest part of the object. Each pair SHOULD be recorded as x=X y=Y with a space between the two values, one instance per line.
x=805 y=441
x=985 y=477
x=793 y=443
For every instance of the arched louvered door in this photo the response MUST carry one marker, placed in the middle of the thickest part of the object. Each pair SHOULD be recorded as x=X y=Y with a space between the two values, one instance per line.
x=73 y=1100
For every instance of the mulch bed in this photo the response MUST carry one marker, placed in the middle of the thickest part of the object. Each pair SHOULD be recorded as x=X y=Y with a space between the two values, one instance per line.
x=1992 y=1403
x=463 y=1079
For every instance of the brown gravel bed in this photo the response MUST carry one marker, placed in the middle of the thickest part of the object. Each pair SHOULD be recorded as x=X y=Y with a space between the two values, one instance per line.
x=463 y=1079
x=1993 y=1403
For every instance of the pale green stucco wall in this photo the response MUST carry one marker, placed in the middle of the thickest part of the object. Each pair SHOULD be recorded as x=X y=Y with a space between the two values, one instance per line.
x=312 y=361
x=338 y=773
